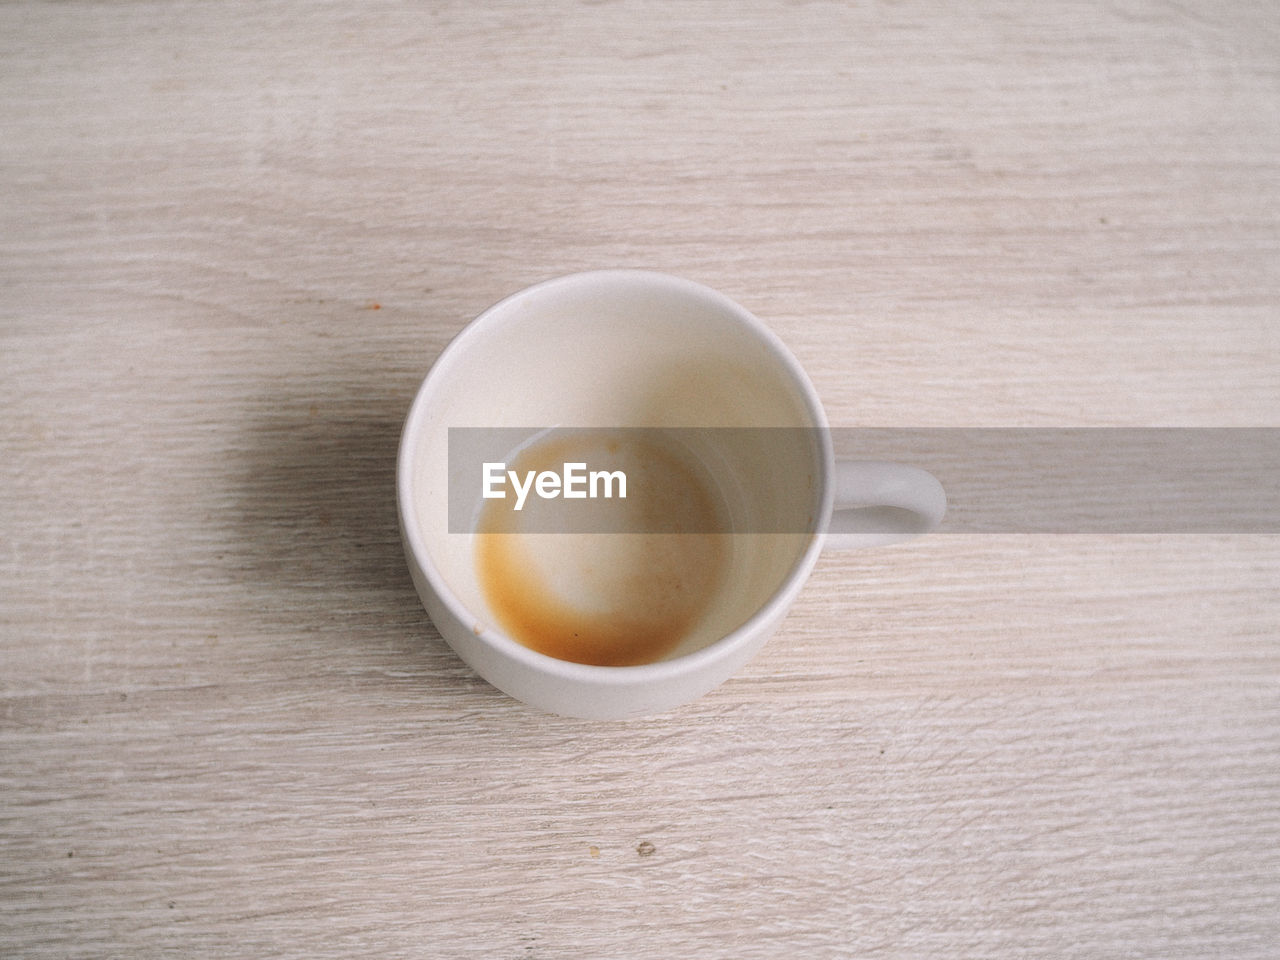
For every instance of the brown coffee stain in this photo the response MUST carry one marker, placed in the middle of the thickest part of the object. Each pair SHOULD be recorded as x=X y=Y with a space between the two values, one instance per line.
x=647 y=613
x=608 y=599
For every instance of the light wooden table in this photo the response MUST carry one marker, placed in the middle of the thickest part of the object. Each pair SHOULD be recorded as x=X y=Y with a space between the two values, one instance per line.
x=232 y=238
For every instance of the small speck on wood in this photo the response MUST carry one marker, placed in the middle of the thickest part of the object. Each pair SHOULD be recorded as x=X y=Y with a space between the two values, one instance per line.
x=646 y=849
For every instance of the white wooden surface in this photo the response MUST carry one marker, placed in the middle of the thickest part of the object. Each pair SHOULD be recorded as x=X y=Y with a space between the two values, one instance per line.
x=234 y=235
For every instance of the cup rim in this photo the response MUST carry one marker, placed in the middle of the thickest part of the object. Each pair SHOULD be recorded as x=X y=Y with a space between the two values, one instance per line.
x=597 y=674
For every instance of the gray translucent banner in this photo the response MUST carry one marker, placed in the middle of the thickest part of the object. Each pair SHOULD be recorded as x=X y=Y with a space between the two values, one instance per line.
x=762 y=480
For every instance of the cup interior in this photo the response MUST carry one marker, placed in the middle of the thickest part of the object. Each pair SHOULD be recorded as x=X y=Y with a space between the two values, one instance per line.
x=629 y=349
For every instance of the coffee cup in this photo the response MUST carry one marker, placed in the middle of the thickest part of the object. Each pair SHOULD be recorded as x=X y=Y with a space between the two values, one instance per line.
x=630 y=352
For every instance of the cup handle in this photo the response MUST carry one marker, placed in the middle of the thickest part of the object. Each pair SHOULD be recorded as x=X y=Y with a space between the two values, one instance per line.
x=878 y=503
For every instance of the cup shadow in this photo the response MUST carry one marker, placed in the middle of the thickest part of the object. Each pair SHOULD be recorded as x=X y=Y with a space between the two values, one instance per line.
x=316 y=542
x=317 y=505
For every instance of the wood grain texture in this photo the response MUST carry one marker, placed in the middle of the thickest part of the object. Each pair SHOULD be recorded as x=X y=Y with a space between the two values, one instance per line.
x=232 y=238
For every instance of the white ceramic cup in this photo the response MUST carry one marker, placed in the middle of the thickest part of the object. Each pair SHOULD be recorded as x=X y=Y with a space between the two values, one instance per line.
x=633 y=348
